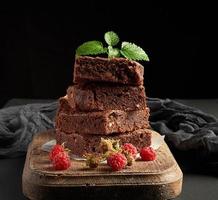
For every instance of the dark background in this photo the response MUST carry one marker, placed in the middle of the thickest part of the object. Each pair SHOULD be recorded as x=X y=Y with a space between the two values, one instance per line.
x=37 y=46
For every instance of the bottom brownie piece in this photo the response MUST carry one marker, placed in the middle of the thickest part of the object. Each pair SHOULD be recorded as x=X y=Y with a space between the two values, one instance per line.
x=79 y=144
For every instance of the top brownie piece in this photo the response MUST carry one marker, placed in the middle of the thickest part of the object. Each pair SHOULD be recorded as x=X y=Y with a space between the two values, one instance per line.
x=113 y=70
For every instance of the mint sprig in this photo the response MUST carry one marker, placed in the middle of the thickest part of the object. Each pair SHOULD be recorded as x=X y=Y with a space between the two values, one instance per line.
x=133 y=52
x=111 y=38
x=113 y=52
x=91 y=48
x=128 y=50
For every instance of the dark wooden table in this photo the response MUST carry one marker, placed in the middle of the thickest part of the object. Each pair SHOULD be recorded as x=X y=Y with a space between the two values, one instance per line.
x=196 y=186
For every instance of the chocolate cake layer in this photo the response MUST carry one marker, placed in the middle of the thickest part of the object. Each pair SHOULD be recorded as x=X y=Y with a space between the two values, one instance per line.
x=104 y=122
x=79 y=144
x=95 y=97
x=114 y=70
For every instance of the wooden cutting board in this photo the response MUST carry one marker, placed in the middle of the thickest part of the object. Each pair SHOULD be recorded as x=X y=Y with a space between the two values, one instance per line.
x=159 y=179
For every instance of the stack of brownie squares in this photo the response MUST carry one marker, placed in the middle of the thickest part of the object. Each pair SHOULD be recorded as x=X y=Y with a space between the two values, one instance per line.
x=107 y=100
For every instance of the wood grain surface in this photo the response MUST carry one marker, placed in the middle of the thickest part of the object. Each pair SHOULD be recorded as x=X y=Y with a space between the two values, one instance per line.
x=159 y=179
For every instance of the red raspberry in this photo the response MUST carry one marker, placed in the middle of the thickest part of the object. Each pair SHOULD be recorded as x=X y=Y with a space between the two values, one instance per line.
x=129 y=148
x=148 y=154
x=117 y=161
x=56 y=150
x=61 y=161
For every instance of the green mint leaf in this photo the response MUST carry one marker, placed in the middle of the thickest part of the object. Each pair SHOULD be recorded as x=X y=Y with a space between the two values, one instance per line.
x=90 y=48
x=133 y=52
x=111 y=38
x=113 y=52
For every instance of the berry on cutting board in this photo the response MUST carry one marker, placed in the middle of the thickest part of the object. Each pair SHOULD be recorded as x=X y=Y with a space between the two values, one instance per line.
x=117 y=161
x=148 y=154
x=61 y=161
x=130 y=148
x=56 y=150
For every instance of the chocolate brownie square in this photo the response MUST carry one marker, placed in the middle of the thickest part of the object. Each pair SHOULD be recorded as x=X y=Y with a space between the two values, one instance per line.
x=80 y=144
x=96 y=97
x=103 y=122
x=113 y=70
